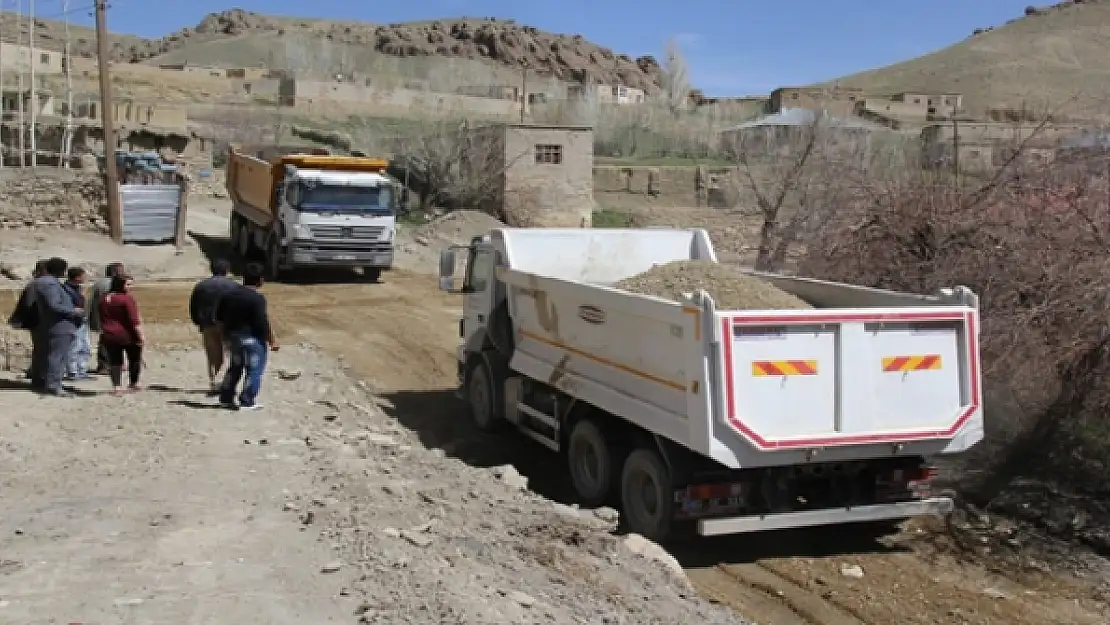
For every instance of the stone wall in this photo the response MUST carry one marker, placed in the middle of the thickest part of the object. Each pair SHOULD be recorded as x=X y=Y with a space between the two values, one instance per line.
x=617 y=186
x=52 y=198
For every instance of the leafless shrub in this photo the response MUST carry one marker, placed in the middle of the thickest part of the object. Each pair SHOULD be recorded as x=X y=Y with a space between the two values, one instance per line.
x=798 y=174
x=455 y=163
x=1033 y=241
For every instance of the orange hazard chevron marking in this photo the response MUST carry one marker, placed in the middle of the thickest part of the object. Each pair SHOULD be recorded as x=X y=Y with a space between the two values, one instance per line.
x=898 y=364
x=775 y=368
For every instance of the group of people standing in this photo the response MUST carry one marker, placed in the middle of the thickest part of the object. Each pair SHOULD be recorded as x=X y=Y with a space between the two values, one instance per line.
x=54 y=309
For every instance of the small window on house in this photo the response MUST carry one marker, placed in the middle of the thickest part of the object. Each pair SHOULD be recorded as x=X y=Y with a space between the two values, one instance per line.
x=793 y=96
x=622 y=92
x=44 y=58
x=549 y=154
x=973 y=153
x=917 y=100
x=615 y=91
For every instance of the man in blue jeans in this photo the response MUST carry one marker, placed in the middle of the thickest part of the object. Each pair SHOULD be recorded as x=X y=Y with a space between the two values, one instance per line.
x=242 y=314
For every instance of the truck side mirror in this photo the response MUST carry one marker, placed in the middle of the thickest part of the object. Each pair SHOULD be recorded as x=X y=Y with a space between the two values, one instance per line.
x=447 y=270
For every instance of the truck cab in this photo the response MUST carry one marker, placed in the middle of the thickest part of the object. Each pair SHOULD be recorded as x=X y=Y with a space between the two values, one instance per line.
x=339 y=218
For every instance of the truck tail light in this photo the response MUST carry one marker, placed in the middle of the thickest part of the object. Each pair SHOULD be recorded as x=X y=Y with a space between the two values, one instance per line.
x=462 y=334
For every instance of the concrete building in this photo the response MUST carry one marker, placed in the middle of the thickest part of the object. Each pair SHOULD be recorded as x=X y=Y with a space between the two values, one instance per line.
x=11 y=97
x=980 y=146
x=133 y=113
x=836 y=100
x=544 y=174
x=607 y=94
x=781 y=133
x=16 y=58
x=936 y=105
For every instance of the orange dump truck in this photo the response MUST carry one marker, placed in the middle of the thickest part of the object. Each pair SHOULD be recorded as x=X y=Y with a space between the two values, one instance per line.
x=313 y=210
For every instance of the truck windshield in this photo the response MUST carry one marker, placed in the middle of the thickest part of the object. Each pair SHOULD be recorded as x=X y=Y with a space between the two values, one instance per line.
x=378 y=200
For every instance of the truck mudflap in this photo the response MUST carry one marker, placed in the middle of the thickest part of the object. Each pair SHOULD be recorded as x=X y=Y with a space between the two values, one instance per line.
x=936 y=506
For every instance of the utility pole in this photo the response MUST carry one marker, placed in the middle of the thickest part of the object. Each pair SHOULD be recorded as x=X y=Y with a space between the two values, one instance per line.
x=523 y=89
x=107 y=122
x=34 y=90
x=955 y=145
x=3 y=150
x=19 y=96
x=67 y=138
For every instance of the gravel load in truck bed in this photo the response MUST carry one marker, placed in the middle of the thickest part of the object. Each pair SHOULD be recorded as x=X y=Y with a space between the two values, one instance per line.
x=731 y=288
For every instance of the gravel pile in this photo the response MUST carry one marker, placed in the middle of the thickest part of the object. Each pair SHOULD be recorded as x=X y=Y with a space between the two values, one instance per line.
x=731 y=288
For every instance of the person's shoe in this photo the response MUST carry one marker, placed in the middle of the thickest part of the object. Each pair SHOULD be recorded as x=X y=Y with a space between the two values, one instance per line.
x=61 y=392
x=229 y=404
x=118 y=392
x=135 y=388
x=250 y=406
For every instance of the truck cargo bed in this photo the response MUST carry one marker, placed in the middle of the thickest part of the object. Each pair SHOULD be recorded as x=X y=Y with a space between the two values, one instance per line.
x=866 y=374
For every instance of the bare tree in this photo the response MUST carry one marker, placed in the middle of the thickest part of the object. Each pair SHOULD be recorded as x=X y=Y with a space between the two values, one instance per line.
x=787 y=172
x=676 y=78
x=455 y=164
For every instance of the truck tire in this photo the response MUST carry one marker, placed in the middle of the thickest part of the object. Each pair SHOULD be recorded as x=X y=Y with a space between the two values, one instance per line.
x=273 y=260
x=372 y=274
x=593 y=466
x=482 y=396
x=243 y=243
x=647 y=494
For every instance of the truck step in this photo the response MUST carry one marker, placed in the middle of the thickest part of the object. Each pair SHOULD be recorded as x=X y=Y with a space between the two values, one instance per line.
x=550 y=442
x=540 y=438
x=545 y=419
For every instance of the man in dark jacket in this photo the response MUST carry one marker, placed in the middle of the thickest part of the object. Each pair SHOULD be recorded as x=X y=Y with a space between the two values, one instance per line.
x=25 y=316
x=56 y=327
x=202 y=310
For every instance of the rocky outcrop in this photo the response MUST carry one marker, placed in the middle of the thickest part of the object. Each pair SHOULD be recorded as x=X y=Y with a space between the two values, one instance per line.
x=51 y=198
x=566 y=57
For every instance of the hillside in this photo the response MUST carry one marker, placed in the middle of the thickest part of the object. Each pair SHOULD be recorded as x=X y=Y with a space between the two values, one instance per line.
x=1041 y=60
x=237 y=38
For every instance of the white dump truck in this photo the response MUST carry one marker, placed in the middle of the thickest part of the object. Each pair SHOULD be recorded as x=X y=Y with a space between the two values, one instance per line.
x=720 y=421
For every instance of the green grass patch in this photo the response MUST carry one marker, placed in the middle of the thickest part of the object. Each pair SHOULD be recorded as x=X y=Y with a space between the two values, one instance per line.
x=660 y=161
x=612 y=218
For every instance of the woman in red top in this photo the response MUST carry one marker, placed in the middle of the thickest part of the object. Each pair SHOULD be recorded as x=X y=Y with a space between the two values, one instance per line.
x=122 y=333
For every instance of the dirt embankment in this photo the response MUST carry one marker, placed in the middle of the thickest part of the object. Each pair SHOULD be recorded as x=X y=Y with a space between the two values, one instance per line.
x=321 y=507
x=372 y=493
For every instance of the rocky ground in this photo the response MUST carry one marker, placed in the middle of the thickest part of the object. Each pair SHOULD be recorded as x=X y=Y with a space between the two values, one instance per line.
x=162 y=508
x=371 y=493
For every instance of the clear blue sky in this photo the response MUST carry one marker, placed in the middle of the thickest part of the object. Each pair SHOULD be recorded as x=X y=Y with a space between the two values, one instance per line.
x=733 y=47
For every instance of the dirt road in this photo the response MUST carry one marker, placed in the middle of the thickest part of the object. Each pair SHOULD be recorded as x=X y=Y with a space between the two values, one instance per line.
x=398 y=338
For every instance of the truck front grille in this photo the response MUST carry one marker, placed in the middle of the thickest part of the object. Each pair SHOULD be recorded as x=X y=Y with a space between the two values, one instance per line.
x=364 y=233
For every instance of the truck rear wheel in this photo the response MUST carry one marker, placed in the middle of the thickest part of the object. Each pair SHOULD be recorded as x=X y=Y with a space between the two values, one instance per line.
x=593 y=468
x=372 y=274
x=647 y=494
x=273 y=260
